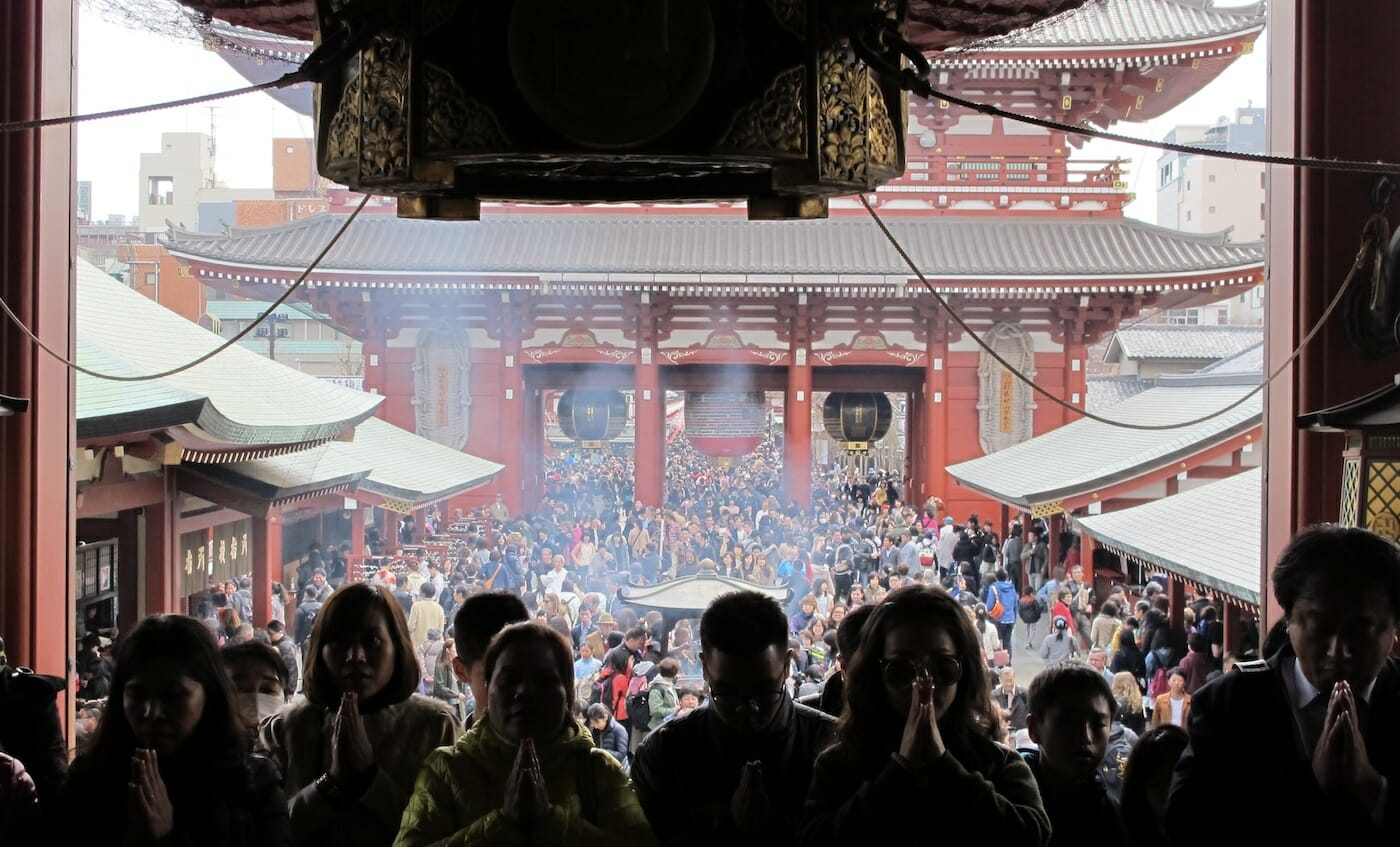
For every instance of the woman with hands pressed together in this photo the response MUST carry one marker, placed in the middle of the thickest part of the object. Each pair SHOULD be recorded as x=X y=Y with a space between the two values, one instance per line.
x=528 y=773
x=920 y=723
x=350 y=751
x=170 y=761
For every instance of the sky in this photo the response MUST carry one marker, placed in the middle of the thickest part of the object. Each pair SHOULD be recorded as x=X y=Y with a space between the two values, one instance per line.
x=121 y=66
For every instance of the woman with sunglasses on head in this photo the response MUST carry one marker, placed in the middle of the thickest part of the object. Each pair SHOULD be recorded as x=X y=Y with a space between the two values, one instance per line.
x=170 y=762
x=920 y=723
x=350 y=751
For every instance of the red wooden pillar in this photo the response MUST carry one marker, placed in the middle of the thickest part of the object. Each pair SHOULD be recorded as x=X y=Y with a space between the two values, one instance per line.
x=913 y=442
x=267 y=559
x=532 y=448
x=128 y=571
x=797 y=430
x=933 y=449
x=1176 y=596
x=357 y=542
x=649 y=432
x=36 y=280
x=161 y=551
x=1318 y=52
x=510 y=414
x=1231 y=624
x=375 y=366
x=1055 y=524
x=1076 y=376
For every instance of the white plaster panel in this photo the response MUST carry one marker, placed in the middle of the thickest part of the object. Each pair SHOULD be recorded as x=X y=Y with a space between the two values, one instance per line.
x=1252 y=458
x=1155 y=491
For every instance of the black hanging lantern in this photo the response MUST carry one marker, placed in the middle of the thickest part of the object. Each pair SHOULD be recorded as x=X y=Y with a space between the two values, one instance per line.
x=857 y=419
x=592 y=418
x=451 y=102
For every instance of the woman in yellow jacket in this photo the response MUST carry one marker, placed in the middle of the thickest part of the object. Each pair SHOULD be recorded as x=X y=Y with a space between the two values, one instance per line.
x=528 y=774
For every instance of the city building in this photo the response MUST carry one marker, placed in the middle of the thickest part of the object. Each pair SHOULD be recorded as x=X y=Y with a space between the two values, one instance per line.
x=178 y=187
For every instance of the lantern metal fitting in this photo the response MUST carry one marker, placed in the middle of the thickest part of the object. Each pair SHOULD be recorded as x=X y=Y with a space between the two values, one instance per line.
x=452 y=102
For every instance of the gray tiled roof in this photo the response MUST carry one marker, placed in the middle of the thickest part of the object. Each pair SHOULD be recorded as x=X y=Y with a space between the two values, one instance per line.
x=247 y=399
x=1248 y=361
x=410 y=467
x=1171 y=534
x=1164 y=341
x=280 y=477
x=1106 y=392
x=942 y=246
x=1113 y=23
x=1085 y=455
x=695 y=593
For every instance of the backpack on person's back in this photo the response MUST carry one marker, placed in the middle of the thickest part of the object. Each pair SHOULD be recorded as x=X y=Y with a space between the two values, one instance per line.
x=639 y=700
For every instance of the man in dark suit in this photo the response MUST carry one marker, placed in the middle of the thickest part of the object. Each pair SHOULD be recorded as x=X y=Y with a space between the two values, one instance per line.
x=1303 y=748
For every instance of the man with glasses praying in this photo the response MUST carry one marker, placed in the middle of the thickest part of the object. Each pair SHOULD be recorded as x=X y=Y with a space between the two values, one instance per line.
x=738 y=768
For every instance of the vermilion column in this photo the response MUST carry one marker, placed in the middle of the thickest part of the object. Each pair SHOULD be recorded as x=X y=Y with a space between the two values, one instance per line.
x=1076 y=378
x=161 y=550
x=933 y=448
x=512 y=444
x=36 y=280
x=913 y=443
x=357 y=543
x=649 y=432
x=267 y=558
x=797 y=430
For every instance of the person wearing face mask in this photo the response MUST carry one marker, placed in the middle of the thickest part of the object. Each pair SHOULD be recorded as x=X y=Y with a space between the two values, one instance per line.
x=170 y=761
x=260 y=680
x=351 y=749
x=527 y=773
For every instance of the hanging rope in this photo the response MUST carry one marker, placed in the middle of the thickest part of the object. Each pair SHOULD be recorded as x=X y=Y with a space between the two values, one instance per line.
x=14 y=319
x=1368 y=246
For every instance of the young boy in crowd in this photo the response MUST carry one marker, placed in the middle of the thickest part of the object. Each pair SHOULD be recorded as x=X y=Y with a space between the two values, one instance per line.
x=1071 y=713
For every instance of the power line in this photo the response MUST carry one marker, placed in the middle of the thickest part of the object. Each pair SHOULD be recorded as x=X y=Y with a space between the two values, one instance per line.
x=1367 y=244
x=9 y=313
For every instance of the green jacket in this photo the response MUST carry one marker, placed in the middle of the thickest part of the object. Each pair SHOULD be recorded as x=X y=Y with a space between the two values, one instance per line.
x=460 y=791
x=662 y=700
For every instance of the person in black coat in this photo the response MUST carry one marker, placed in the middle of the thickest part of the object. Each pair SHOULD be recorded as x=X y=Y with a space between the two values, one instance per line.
x=1305 y=744
x=29 y=727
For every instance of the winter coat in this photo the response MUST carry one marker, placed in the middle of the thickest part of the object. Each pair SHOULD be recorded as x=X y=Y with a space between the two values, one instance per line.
x=1006 y=593
x=613 y=739
x=298 y=741
x=460 y=792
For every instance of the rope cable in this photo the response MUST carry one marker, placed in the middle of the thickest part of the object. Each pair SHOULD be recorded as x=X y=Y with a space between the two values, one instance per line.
x=9 y=313
x=1366 y=247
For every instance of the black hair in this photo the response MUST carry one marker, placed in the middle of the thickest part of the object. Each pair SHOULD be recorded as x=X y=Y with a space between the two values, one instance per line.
x=636 y=632
x=848 y=633
x=1337 y=557
x=1155 y=754
x=1179 y=671
x=1001 y=574
x=1198 y=643
x=1109 y=608
x=427 y=590
x=617 y=659
x=535 y=637
x=1062 y=680
x=743 y=623
x=170 y=641
x=480 y=617
x=869 y=723
x=256 y=651
x=350 y=610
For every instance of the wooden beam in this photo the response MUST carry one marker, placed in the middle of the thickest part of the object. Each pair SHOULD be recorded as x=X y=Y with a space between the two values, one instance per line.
x=207 y=520
x=1128 y=486
x=222 y=495
x=106 y=498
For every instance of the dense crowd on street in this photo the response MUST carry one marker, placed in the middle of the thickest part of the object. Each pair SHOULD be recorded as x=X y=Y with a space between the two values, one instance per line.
x=501 y=690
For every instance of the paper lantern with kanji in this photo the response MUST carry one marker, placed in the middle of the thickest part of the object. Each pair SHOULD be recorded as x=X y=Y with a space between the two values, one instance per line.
x=856 y=419
x=592 y=418
x=725 y=425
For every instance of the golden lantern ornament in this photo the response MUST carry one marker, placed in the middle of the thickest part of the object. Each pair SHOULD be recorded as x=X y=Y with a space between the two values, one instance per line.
x=454 y=102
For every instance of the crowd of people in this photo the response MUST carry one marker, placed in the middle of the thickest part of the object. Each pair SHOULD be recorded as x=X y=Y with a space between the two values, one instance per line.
x=501 y=692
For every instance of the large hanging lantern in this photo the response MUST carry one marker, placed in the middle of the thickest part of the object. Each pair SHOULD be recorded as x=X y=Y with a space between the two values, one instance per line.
x=547 y=100
x=856 y=419
x=592 y=418
x=725 y=425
